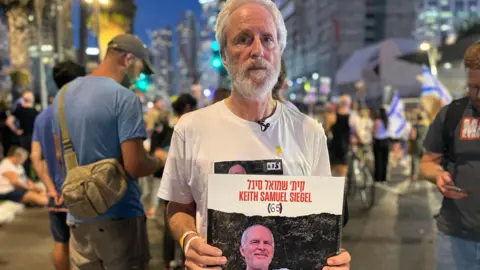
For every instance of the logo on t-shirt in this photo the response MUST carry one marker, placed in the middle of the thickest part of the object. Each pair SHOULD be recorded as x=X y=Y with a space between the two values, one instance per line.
x=470 y=129
x=274 y=166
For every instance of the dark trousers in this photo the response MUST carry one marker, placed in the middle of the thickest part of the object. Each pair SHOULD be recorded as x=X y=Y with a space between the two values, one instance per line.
x=380 y=152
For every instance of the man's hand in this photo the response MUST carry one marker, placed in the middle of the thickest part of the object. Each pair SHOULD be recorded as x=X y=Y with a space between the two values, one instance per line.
x=162 y=155
x=200 y=255
x=339 y=262
x=58 y=200
x=19 y=132
x=445 y=179
x=56 y=196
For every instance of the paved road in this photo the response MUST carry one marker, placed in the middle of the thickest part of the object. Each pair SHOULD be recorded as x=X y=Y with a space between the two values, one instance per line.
x=397 y=234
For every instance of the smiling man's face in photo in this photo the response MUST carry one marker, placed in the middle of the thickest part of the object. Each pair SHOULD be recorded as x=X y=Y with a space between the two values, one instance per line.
x=257 y=247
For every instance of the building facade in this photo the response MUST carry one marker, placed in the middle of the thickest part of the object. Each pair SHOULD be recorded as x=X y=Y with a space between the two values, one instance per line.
x=322 y=34
x=187 y=61
x=162 y=59
x=439 y=19
x=209 y=77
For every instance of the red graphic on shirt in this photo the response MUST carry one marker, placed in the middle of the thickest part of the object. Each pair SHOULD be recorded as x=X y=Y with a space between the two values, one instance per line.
x=470 y=129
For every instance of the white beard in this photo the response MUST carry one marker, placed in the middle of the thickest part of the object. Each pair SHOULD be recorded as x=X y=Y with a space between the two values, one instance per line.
x=245 y=84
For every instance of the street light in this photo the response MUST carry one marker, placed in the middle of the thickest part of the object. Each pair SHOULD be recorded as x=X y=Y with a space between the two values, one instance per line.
x=425 y=46
x=432 y=53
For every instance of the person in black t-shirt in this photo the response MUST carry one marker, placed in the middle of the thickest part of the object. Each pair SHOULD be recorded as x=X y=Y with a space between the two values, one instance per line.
x=25 y=116
x=160 y=142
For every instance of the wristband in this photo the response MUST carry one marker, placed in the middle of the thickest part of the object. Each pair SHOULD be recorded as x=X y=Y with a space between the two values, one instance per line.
x=188 y=243
x=182 y=239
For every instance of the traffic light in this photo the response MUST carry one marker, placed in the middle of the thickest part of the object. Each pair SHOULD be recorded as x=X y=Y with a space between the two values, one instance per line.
x=216 y=59
x=142 y=83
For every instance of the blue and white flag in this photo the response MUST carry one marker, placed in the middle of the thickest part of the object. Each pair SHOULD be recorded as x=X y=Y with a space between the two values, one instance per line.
x=432 y=86
x=395 y=108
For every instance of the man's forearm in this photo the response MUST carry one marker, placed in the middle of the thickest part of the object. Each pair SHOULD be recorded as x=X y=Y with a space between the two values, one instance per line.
x=181 y=218
x=41 y=168
x=20 y=184
x=150 y=166
x=431 y=171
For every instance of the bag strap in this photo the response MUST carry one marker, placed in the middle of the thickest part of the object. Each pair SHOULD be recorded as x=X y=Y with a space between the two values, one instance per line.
x=70 y=156
x=453 y=116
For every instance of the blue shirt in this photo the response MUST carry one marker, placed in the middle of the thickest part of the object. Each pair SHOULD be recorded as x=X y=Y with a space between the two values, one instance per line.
x=101 y=114
x=42 y=133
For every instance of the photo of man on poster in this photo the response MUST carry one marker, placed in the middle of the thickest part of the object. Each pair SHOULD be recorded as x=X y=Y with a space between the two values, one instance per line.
x=237 y=169
x=257 y=247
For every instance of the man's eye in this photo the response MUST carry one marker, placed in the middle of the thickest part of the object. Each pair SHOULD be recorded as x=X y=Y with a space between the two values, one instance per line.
x=243 y=40
x=268 y=40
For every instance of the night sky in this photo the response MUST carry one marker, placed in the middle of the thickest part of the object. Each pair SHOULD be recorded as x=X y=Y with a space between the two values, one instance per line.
x=151 y=14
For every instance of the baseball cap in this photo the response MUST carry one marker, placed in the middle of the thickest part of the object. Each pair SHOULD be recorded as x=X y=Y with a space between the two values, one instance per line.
x=132 y=44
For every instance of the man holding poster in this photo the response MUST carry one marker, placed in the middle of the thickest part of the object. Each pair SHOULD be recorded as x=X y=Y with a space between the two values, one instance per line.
x=247 y=126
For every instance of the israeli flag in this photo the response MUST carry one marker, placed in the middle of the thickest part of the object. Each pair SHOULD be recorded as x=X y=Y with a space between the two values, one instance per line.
x=397 y=122
x=432 y=86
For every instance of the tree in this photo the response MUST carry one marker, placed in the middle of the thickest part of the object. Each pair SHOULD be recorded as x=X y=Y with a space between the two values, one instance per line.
x=19 y=31
x=113 y=19
x=468 y=28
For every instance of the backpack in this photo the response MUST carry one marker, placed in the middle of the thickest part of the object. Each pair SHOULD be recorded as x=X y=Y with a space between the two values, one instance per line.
x=92 y=189
x=453 y=116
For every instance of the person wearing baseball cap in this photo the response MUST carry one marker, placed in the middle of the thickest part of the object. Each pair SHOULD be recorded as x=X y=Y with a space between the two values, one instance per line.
x=131 y=46
x=105 y=120
x=129 y=43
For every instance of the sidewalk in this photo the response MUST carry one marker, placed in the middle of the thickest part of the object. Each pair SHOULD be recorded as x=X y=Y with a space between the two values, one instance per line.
x=26 y=243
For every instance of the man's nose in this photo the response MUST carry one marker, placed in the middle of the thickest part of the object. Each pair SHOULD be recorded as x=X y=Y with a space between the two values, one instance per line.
x=257 y=48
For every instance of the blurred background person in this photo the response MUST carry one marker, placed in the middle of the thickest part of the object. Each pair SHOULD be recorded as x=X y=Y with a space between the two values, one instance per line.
x=47 y=167
x=381 y=145
x=278 y=91
x=341 y=130
x=419 y=133
x=220 y=94
x=3 y=126
x=364 y=127
x=15 y=185
x=161 y=139
x=157 y=113
x=24 y=114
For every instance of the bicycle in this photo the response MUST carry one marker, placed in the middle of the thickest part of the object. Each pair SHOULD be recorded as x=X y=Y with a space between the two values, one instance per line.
x=360 y=175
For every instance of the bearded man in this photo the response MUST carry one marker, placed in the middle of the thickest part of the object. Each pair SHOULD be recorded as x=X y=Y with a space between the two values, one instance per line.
x=248 y=125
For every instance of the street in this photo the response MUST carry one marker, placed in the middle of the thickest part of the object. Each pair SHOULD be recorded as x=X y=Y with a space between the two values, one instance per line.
x=397 y=234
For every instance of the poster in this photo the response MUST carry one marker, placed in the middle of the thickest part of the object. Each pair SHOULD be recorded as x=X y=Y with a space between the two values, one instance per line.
x=261 y=218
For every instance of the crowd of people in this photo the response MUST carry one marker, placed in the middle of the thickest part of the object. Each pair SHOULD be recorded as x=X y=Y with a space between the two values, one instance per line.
x=166 y=155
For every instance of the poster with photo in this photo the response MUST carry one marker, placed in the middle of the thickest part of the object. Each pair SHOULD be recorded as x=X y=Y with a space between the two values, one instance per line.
x=265 y=220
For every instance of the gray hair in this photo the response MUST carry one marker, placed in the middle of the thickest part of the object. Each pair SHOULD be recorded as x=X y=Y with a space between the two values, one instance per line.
x=17 y=152
x=231 y=5
x=245 y=235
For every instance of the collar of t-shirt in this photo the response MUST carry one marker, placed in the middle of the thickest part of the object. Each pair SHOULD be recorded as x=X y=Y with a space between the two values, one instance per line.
x=254 y=125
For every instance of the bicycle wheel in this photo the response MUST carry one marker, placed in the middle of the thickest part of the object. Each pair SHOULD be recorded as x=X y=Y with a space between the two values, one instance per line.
x=367 y=189
x=351 y=179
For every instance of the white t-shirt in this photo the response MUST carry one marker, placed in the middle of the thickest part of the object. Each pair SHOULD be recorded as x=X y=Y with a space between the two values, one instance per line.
x=364 y=129
x=291 y=106
x=215 y=134
x=7 y=166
